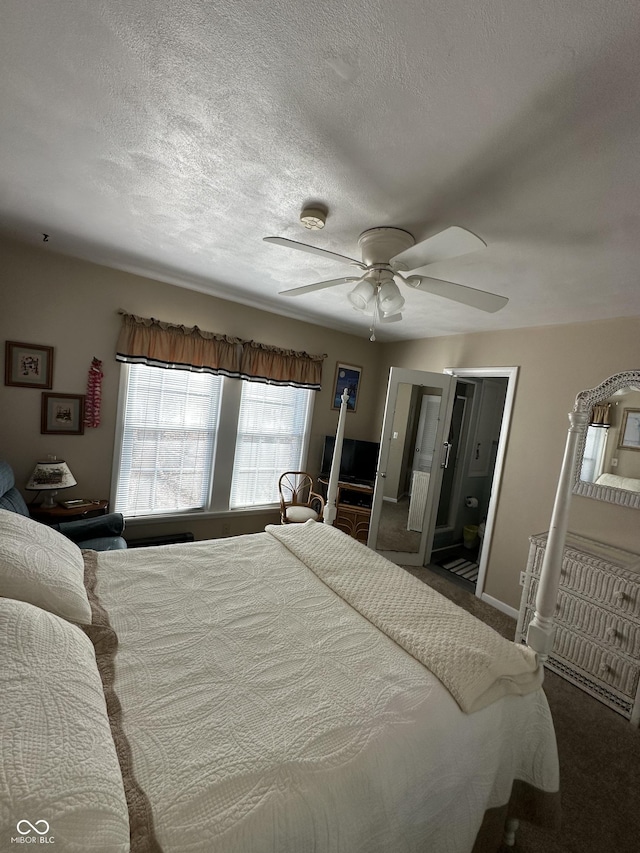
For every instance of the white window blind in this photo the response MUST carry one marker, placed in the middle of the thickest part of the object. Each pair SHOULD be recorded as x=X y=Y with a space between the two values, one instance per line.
x=270 y=440
x=169 y=433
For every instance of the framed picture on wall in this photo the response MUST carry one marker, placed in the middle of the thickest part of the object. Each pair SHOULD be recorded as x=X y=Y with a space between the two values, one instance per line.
x=62 y=414
x=347 y=376
x=630 y=430
x=28 y=365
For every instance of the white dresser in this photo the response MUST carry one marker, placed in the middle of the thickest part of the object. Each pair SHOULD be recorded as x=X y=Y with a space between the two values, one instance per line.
x=597 y=635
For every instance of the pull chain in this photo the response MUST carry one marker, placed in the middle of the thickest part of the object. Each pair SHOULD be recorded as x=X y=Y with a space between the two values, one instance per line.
x=372 y=328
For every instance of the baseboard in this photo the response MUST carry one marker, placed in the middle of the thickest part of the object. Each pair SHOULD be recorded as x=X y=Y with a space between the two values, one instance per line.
x=166 y=539
x=500 y=605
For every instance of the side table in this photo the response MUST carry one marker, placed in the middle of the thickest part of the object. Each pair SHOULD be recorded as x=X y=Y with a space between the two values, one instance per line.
x=56 y=514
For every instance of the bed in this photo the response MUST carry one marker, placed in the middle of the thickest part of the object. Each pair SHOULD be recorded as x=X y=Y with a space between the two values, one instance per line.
x=630 y=484
x=289 y=691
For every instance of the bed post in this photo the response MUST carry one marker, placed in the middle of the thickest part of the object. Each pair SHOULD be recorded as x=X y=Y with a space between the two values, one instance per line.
x=329 y=514
x=540 y=632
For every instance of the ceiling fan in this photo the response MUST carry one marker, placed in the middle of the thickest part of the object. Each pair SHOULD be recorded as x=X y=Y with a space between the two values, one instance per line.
x=387 y=255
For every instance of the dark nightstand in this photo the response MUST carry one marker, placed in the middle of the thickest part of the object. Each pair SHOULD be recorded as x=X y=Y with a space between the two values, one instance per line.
x=56 y=514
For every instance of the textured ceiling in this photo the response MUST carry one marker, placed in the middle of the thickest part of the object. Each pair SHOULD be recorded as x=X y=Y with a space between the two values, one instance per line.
x=167 y=138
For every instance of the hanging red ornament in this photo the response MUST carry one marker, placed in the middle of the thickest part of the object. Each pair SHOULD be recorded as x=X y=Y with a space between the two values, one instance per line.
x=94 y=395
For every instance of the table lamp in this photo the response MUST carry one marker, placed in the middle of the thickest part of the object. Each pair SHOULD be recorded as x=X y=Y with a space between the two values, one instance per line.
x=50 y=476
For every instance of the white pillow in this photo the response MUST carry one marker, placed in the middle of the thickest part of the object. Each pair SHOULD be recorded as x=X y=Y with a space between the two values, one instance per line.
x=43 y=567
x=61 y=778
x=298 y=514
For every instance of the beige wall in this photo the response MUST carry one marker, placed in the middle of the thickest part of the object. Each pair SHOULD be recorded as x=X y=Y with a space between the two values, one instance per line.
x=555 y=363
x=72 y=305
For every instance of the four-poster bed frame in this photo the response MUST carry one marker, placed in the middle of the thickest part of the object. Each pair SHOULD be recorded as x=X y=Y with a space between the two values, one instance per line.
x=330 y=511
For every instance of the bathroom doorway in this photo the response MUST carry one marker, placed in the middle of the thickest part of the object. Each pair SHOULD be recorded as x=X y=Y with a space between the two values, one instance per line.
x=467 y=504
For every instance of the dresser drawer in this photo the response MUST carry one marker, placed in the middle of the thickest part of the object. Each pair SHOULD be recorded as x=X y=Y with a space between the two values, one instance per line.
x=574 y=613
x=592 y=579
x=603 y=664
x=608 y=667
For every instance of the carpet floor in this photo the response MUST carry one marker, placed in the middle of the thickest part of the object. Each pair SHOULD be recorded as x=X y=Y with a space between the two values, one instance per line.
x=599 y=756
x=392 y=528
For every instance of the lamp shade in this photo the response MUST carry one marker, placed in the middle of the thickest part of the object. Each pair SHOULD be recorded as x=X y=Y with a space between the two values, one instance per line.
x=362 y=294
x=390 y=299
x=53 y=474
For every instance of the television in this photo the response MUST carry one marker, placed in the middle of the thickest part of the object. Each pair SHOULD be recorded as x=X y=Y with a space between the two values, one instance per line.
x=359 y=460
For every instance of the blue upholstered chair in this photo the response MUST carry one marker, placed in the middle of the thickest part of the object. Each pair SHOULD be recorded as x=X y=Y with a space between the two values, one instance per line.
x=100 y=534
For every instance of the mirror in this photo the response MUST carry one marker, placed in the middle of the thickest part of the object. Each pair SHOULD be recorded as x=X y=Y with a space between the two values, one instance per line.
x=412 y=458
x=608 y=460
x=408 y=469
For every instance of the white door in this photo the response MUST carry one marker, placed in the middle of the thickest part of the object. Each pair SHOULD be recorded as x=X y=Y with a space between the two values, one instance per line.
x=391 y=532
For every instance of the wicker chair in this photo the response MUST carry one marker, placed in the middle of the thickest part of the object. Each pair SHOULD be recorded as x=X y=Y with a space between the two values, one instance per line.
x=298 y=501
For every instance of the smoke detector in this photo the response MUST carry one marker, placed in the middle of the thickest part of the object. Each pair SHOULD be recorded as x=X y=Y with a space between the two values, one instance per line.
x=313 y=218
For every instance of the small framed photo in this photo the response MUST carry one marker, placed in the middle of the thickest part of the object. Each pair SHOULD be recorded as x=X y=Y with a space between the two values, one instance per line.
x=28 y=365
x=629 y=438
x=347 y=376
x=62 y=414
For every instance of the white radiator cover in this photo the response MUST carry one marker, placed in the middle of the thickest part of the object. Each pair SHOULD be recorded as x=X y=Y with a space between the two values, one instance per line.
x=418 y=502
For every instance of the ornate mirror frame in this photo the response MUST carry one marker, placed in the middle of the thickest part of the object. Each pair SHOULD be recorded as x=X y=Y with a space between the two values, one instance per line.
x=585 y=401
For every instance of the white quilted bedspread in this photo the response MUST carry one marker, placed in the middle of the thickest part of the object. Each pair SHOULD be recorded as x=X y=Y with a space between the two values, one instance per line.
x=474 y=663
x=266 y=715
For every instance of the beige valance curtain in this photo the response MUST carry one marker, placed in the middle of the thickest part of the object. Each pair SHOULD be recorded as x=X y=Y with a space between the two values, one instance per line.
x=262 y=363
x=600 y=414
x=147 y=341
x=156 y=343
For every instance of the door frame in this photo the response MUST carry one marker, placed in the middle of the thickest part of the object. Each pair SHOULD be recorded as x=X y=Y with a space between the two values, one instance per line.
x=511 y=374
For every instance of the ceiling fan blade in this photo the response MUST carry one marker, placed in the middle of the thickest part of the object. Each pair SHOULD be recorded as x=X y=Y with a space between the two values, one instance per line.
x=314 y=250
x=481 y=299
x=450 y=243
x=319 y=285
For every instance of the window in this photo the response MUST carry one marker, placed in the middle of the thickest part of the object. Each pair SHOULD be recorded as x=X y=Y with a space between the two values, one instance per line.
x=169 y=433
x=593 y=456
x=174 y=423
x=270 y=439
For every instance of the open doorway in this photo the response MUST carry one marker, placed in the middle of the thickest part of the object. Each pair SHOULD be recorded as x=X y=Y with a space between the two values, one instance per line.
x=467 y=481
x=467 y=503
x=416 y=455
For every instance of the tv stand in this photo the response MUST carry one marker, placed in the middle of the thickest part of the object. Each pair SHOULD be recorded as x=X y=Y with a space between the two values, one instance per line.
x=353 y=508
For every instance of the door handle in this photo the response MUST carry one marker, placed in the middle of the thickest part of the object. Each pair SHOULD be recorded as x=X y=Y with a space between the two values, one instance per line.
x=382 y=474
x=447 y=452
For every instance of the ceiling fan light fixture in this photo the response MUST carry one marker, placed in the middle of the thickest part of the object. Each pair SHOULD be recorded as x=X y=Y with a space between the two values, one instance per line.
x=390 y=299
x=362 y=294
x=391 y=257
